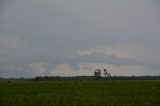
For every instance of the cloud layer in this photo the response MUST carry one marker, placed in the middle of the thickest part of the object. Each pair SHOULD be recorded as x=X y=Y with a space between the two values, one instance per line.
x=43 y=37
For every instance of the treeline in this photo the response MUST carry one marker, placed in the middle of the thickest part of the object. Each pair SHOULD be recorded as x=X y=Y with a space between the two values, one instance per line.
x=48 y=78
x=74 y=78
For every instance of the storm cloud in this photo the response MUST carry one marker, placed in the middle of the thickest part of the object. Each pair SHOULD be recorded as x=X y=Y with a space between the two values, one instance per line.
x=38 y=36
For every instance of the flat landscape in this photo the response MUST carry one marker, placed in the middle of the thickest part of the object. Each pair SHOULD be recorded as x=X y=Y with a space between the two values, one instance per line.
x=80 y=93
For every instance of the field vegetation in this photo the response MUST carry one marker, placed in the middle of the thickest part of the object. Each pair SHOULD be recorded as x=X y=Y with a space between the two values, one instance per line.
x=80 y=93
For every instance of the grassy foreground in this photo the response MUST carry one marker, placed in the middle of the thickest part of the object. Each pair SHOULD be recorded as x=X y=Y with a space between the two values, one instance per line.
x=80 y=93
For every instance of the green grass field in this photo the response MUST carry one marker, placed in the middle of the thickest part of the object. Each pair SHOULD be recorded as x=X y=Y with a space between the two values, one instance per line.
x=80 y=93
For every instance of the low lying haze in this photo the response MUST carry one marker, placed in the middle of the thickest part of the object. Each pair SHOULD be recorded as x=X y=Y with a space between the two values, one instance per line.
x=74 y=37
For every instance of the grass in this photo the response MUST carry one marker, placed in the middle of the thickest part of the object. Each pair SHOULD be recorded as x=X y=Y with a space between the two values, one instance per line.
x=80 y=93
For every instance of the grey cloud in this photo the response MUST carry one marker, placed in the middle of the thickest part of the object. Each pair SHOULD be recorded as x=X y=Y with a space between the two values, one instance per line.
x=156 y=2
x=51 y=62
x=113 y=60
x=11 y=69
x=156 y=66
x=3 y=3
x=61 y=25
x=53 y=30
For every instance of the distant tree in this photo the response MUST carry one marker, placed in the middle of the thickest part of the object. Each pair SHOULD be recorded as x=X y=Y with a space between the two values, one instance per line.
x=106 y=73
x=38 y=78
x=97 y=73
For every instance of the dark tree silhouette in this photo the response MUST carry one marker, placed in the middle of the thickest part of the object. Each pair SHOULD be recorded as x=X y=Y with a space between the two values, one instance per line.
x=106 y=73
x=97 y=73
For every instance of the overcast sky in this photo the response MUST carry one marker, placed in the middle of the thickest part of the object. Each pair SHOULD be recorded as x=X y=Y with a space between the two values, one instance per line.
x=74 y=37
